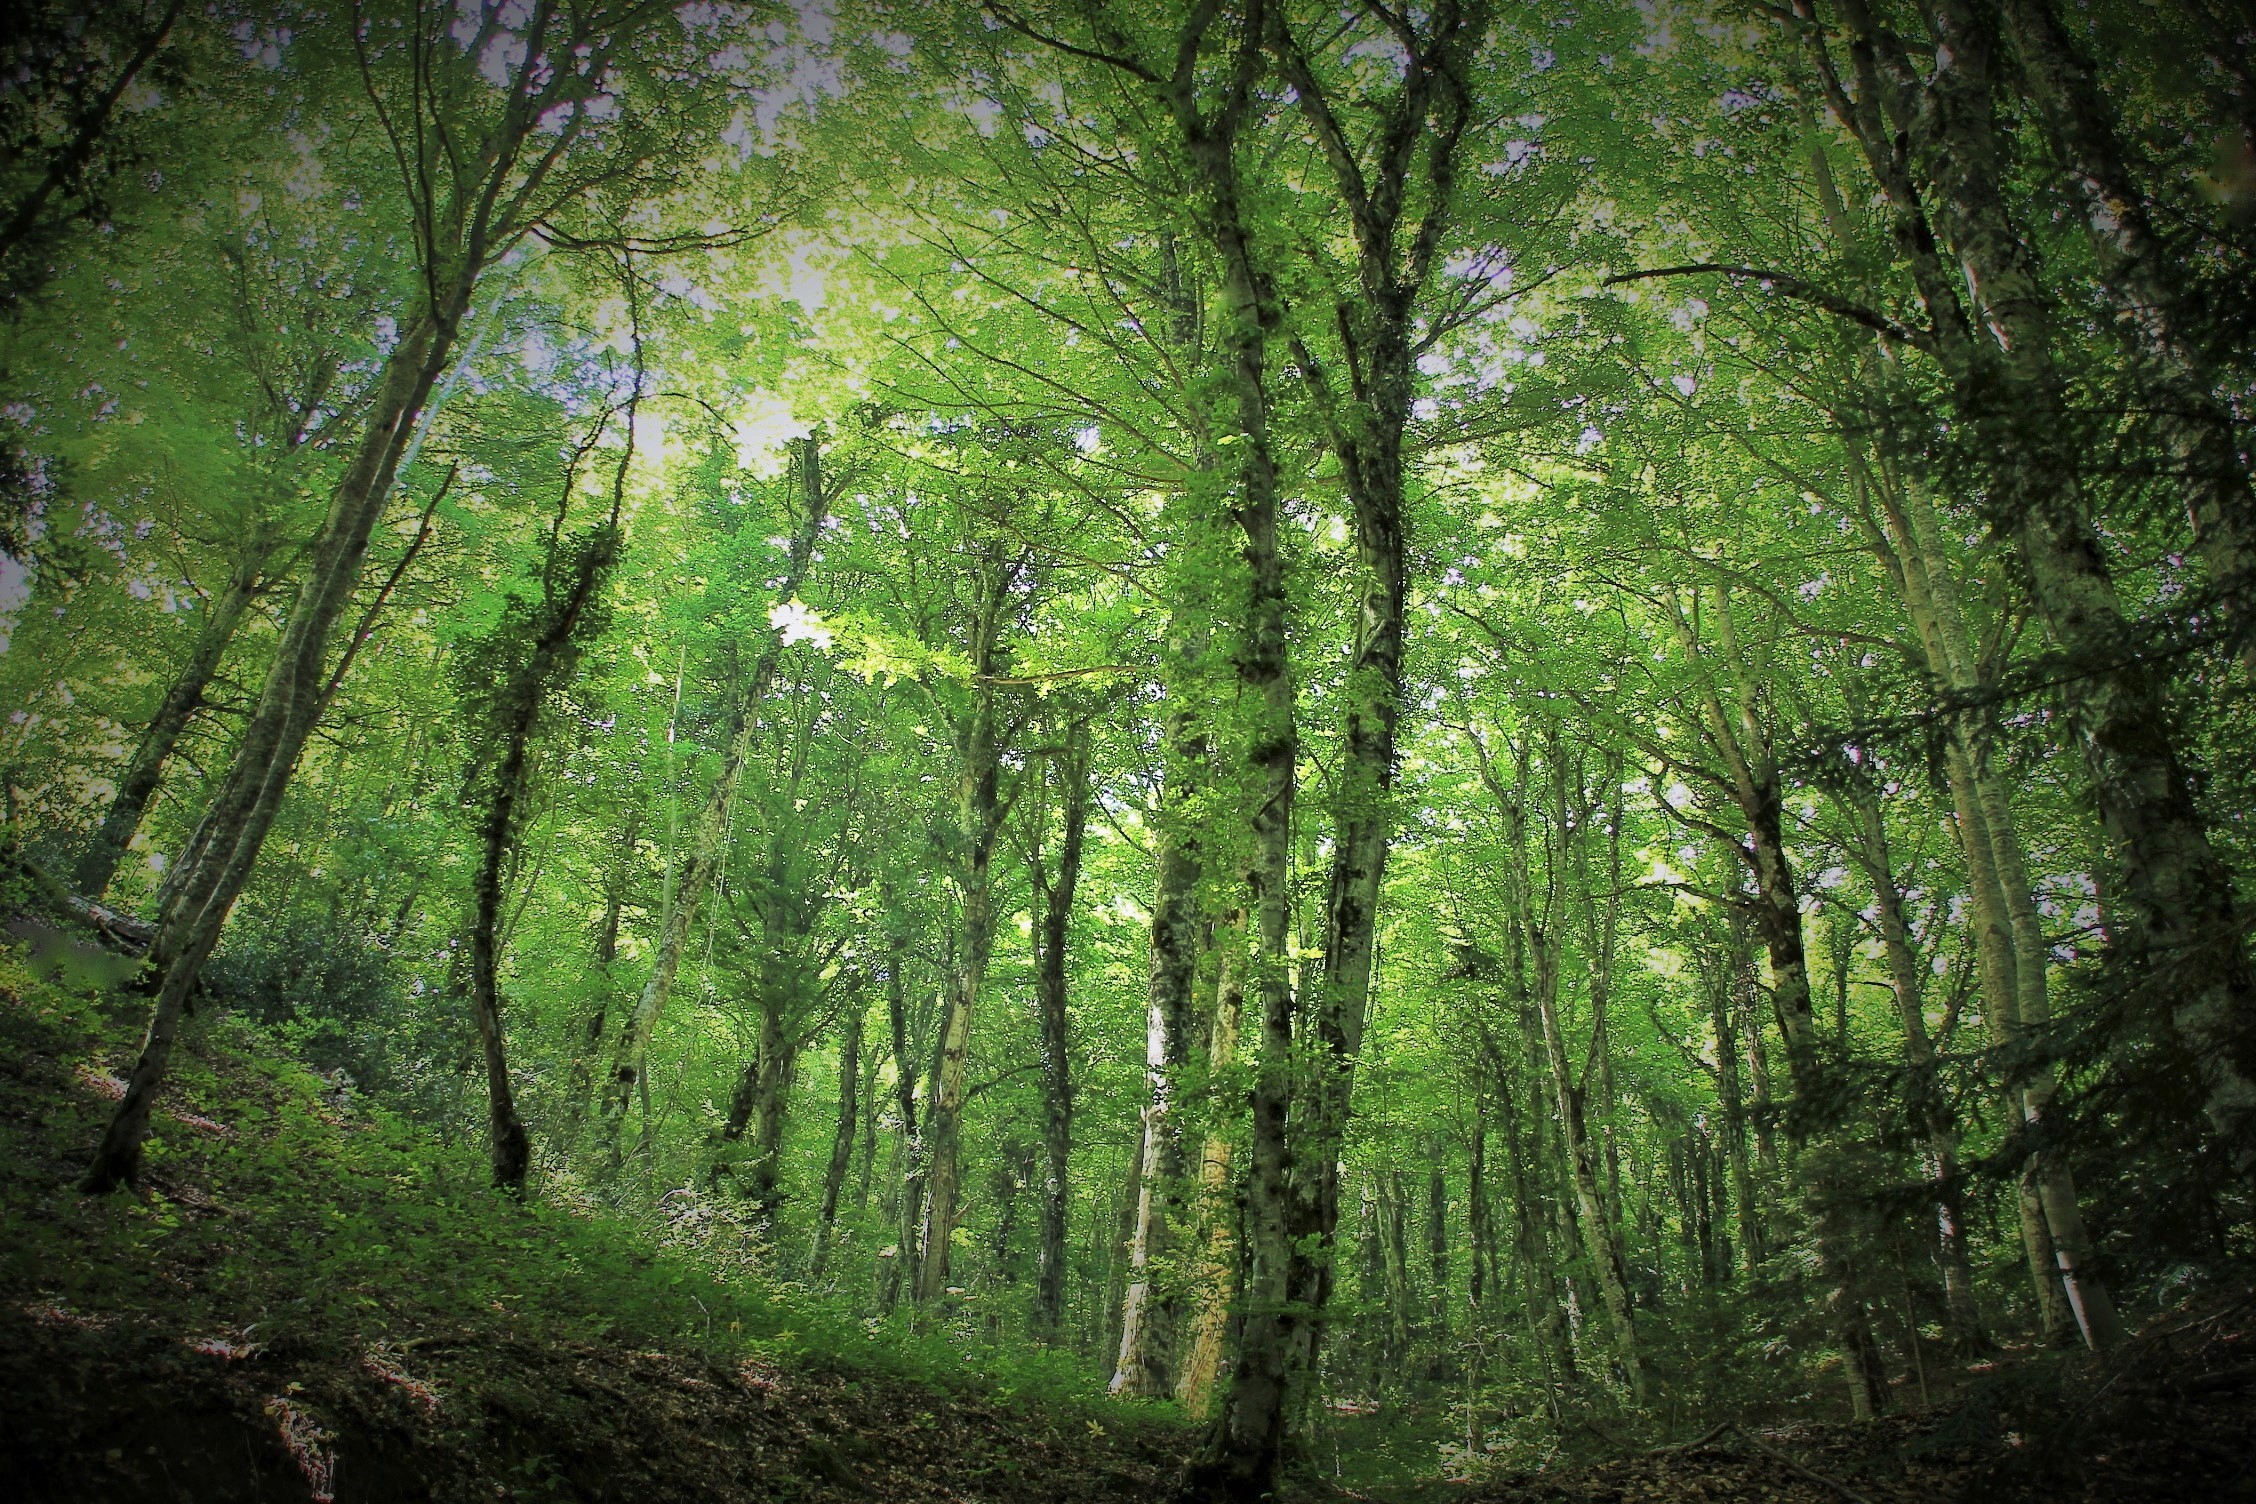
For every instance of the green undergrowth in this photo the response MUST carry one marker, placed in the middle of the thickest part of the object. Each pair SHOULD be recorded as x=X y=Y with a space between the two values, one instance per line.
x=281 y=1212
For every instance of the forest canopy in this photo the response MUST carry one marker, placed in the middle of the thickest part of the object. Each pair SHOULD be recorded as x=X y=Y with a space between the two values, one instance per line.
x=1446 y=724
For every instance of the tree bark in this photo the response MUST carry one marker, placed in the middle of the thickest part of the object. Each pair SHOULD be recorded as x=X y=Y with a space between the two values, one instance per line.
x=1072 y=767
x=1150 y=1320
x=908 y=1072
x=1215 y=1261
x=842 y=1138
x=2154 y=291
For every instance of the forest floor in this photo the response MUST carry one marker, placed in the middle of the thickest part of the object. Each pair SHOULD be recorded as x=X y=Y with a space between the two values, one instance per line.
x=305 y=1302
x=294 y=1307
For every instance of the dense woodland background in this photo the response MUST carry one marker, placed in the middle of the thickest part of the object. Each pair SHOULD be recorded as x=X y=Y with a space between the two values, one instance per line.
x=1438 y=728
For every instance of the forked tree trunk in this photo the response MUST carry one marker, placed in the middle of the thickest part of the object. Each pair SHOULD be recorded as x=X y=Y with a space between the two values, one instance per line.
x=1398 y=200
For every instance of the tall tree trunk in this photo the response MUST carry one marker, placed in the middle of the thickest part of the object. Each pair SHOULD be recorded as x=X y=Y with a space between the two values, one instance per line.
x=908 y=1071
x=979 y=816
x=1239 y=1458
x=1149 y=1321
x=2180 y=932
x=137 y=785
x=1925 y=1098
x=1072 y=768
x=630 y=1062
x=1736 y=733
x=1396 y=238
x=1906 y=534
x=227 y=840
x=1215 y=1261
x=2154 y=291
x=842 y=1138
x=1601 y=1243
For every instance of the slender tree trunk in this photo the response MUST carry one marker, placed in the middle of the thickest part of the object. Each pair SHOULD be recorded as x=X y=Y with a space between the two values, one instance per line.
x=1925 y=1098
x=1547 y=1312
x=2047 y=1173
x=1149 y=1321
x=228 y=839
x=1056 y=921
x=630 y=1062
x=979 y=818
x=1723 y=1016
x=1600 y=1241
x=137 y=785
x=581 y=1082
x=508 y=1146
x=842 y=1139
x=907 y=1072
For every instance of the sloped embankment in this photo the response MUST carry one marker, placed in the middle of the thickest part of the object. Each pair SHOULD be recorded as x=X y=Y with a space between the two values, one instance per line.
x=302 y=1305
